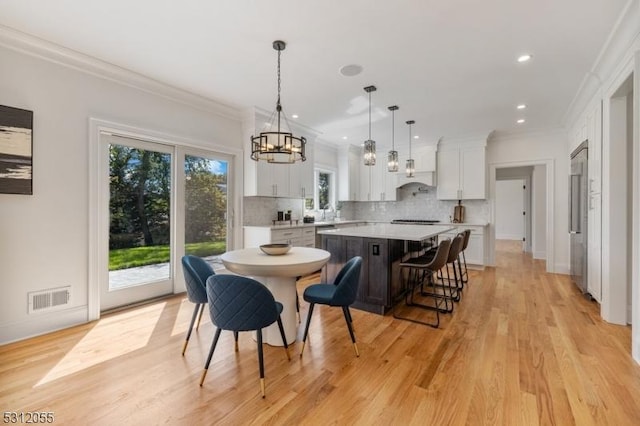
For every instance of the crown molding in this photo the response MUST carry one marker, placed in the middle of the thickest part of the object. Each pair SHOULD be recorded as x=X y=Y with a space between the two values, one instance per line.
x=37 y=47
x=536 y=133
x=618 y=46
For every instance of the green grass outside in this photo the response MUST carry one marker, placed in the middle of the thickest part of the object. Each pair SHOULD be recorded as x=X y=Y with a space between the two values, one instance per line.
x=141 y=256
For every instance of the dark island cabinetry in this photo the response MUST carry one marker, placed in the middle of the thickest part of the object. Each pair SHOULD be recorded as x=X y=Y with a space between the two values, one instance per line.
x=380 y=275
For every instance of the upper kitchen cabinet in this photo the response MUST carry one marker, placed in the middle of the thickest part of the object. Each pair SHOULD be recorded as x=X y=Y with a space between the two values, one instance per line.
x=461 y=169
x=425 y=162
x=376 y=182
x=349 y=159
x=276 y=180
x=301 y=176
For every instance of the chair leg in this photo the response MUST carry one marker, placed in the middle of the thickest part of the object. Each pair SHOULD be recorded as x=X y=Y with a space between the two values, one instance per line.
x=306 y=328
x=202 y=305
x=260 y=360
x=284 y=338
x=462 y=281
x=213 y=347
x=456 y=298
x=347 y=315
x=193 y=319
x=466 y=271
x=235 y=337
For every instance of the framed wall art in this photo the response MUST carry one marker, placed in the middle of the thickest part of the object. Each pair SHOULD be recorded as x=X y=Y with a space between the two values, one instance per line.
x=16 y=151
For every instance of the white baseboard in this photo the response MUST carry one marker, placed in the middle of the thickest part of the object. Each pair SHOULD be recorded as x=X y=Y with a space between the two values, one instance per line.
x=540 y=255
x=561 y=268
x=509 y=237
x=43 y=323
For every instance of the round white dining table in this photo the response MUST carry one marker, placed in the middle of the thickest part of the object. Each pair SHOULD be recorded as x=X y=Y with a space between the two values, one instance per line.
x=279 y=274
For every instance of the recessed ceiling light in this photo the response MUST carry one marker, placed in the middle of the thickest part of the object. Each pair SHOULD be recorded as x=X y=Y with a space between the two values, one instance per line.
x=351 y=70
x=294 y=116
x=521 y=106
x=345 y=138
x=524 y=58
x=416 y=137
x=520 y=121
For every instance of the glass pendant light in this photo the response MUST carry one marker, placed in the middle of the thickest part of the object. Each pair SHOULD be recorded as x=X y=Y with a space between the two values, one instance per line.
x=279 y=146
x=369 y=144
x=392 y=162
x=411 y=166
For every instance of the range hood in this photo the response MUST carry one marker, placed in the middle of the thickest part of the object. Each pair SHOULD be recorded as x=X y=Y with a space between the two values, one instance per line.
x=422 y=178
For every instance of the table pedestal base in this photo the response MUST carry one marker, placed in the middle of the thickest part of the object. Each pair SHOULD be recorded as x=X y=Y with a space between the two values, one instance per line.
x=284 y=291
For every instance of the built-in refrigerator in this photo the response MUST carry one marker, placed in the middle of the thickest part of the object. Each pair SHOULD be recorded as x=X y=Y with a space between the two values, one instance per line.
x=578 y=210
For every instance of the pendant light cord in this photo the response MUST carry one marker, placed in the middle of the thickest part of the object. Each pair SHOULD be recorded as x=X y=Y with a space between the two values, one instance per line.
x=278 y=105
x=369 y=115
x=409 y=141
x=393 y=130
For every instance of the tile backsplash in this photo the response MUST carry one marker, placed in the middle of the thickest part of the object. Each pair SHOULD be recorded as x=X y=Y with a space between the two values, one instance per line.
x=261 y=211
x=415 y=201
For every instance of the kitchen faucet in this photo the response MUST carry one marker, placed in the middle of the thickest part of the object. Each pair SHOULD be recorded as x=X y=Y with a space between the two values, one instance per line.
x=324 y=211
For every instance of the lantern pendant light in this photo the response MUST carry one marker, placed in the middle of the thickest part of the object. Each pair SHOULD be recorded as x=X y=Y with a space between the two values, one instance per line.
x=392 y=162
x=369 y=144
x=411 y=167
x=279 y=146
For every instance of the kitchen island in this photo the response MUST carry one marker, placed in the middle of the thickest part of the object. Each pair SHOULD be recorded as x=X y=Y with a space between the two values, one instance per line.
x=383 y=247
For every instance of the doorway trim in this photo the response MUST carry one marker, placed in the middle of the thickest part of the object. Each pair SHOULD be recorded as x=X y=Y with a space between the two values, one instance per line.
x=550 y=197
x=98 y=199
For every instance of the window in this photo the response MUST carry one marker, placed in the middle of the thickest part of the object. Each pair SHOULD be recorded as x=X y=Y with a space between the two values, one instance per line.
x=324 y=194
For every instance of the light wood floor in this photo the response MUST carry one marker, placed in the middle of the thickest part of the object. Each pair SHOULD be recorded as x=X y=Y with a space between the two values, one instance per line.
x=522 y=347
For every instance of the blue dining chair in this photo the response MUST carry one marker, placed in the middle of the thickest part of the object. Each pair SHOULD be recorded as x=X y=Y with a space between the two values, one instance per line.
x=239 y=303
x=196 y=271
x=341 y=293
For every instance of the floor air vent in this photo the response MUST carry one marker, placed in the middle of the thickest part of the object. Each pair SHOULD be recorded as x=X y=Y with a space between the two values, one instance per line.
x=49 y=300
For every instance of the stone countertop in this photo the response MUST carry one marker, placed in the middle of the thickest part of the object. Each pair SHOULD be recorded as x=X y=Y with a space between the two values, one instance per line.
x=390 y=231
x=467 y=224
x=300 y=224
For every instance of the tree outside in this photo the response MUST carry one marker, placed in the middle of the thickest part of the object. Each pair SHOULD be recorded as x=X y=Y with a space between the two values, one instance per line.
x=140 y=207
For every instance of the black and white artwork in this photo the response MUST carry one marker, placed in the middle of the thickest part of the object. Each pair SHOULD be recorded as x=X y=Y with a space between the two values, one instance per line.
x=16 y=147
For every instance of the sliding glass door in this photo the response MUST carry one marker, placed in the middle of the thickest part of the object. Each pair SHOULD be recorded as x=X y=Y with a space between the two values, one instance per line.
x=206 y=188
x=161 y=201
x=141 y=194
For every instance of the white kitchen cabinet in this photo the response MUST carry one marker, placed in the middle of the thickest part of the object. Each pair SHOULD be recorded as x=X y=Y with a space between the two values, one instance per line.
x=364 y=190
x=390 y=185
x=425 y=159
x=301 y=178
x=357 y=182
x=349 y=158
x=275 y=180
x=297 y=236
x=272 y=180
x=461 y=172
x=376 y=183
x=475 y=252
x=284 y=180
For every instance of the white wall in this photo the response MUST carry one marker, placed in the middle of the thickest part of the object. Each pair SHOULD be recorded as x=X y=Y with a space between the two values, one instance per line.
x=326 y=155
x=44 y=237
x=539 y=211
x=509 y=208
x=538 y=148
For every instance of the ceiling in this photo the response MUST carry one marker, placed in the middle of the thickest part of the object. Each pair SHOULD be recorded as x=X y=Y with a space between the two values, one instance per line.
x=450 y=65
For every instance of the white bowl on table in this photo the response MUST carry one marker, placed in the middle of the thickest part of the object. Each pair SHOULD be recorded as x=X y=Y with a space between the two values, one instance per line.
x=275 y=249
